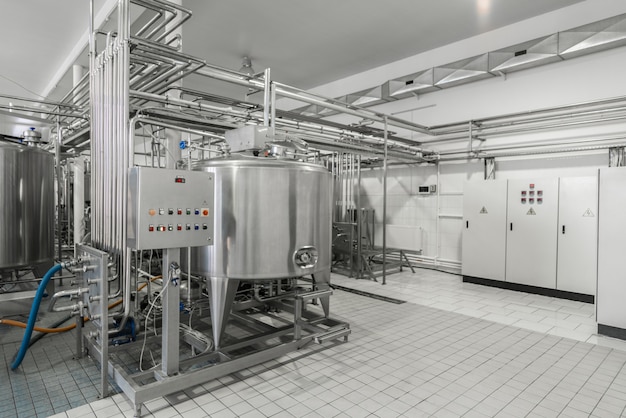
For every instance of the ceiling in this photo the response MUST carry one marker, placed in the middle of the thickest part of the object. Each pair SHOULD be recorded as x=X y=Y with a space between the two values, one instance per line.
x=306 y=43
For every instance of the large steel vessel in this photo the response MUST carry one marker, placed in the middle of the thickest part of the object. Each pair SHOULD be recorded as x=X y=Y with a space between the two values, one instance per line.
x=27 y=209
x=272 y=219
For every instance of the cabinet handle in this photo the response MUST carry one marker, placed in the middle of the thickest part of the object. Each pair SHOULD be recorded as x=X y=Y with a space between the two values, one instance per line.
x=511 y=226
x=563 y=230
x=466 y=224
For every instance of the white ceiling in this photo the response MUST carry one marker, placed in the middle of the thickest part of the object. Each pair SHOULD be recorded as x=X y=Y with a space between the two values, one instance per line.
x=306 y=43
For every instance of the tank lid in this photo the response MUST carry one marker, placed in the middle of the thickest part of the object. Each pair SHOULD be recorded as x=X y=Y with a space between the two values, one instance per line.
x=32 y=136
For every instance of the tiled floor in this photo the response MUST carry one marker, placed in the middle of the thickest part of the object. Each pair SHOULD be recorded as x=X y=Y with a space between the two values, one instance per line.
x=453 y=350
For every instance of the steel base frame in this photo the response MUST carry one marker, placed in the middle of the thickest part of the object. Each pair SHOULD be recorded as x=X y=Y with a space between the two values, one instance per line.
x=144 y=386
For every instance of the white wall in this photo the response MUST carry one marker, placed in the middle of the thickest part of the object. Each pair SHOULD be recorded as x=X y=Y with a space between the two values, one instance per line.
x=433 y=222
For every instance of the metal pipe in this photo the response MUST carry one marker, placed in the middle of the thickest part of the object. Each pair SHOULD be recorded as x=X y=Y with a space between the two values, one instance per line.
x=266 y=98
x=39 y=110
x=531 y=112
x=352 y=110
x=273 y=108
x=247 y=115
x=524 y=129
x=44 y=102
x=385 y=208
x=564 y=143
x=64 y=293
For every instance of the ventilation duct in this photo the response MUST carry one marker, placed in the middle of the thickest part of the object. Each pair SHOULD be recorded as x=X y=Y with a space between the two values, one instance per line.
x=401 y=88
x=597 y=36
x=526 y=55
x=594 y=37
x=464 y=71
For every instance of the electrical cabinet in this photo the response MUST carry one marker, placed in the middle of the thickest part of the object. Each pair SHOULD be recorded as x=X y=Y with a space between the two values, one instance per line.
x=611 y=297
x=484 y=234
x=531 y=232
x=540 y=233
x=577 y=235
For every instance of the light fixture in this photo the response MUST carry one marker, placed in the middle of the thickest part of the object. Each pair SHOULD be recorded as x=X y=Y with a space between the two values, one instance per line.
x=246 y=66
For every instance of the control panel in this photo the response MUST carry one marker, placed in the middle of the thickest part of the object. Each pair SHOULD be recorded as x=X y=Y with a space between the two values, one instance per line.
x=531 y=195
x=169 y=208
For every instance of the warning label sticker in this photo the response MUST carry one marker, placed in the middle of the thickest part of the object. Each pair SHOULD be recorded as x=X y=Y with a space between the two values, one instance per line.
x=588 y=214
x=531 y=211
x=484 y=210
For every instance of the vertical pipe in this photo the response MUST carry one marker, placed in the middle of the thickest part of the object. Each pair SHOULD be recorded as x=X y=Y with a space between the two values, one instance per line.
x=79 y=199
x=57 y=161
x=469 y=129
x=93 y=93
x=266 y=99
x=77 y=75
x=189 y=248
x=171 y=294
x=357 y=211
x=273 y=109
x=438 y=218
x=385 y=206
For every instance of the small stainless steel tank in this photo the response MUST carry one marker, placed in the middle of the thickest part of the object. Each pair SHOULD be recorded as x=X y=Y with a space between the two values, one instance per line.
x=27 y=210
x=272 y=219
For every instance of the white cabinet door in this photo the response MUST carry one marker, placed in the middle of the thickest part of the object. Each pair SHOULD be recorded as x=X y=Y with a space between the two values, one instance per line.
x=484 y=229
x=611 y=298
x=531 y=232
x=577 y=235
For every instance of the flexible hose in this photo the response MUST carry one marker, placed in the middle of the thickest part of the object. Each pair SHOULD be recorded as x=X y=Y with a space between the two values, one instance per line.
x=38 y=329
x=22 y=351
x=53 y=329
x=33 y=315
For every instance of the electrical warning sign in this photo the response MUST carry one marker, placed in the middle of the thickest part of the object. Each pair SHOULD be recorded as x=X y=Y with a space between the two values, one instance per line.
x=531 y=211
x=484 y=211
x=588 y=214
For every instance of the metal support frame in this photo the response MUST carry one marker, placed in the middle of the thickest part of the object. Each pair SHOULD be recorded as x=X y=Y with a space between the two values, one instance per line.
x=94 y=275
x=306 y=327
x=617 y=156
x=490 y=168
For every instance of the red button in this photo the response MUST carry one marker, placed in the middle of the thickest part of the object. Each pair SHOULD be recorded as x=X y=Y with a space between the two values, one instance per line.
x=151 y=228
x=179 y=227
x=180 y=211
x=205 y=212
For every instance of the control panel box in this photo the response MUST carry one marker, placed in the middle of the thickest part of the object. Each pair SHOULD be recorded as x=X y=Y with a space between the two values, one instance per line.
x=248 y=137
x=169 y=208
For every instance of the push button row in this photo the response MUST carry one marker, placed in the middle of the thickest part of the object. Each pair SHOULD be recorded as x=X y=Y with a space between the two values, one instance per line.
x=179 y=211
x=179 y=227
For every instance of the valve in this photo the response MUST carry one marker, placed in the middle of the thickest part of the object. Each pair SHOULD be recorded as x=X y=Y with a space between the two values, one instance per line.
x=306 y=257
x=174 y=273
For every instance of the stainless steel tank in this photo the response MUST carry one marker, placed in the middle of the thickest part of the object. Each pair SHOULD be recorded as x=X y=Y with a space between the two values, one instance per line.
x=272 y=219
x=27 y=210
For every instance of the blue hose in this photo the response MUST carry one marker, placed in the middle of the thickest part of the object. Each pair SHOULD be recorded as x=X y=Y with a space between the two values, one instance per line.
x=33 y=315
